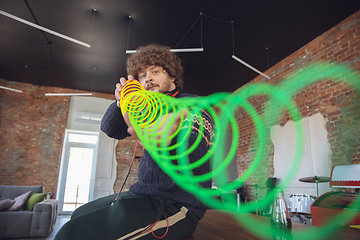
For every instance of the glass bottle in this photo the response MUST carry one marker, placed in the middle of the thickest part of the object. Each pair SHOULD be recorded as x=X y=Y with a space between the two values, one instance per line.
x=280 y=218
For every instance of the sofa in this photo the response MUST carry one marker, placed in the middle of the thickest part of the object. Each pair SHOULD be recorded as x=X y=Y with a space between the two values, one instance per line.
x=35 y=218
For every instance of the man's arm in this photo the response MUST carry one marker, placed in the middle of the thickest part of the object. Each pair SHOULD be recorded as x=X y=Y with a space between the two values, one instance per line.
x=113 y=123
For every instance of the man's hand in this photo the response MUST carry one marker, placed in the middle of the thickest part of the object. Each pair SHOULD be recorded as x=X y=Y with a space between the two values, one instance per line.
x=119 y=87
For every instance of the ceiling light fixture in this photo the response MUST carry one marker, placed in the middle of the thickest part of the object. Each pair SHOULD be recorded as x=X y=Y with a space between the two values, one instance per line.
x=68 y=94
x=201 y=49
x=233 y=45
x=11 y=89
x=44 y=29
x=175 y=50
x=249 y=66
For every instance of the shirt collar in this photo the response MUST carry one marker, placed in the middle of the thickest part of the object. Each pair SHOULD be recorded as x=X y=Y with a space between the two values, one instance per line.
x=174 y=93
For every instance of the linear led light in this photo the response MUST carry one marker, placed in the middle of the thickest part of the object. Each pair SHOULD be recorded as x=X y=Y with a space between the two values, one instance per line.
x=11 y=89
x=68 y=94
x=175 y=50
x=44 y=29
x=249 y=66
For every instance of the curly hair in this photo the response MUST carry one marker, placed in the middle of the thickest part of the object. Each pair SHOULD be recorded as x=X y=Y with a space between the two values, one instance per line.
x=155 y=55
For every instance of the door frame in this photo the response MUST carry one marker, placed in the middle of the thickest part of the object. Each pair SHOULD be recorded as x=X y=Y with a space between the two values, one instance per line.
x=64 y=166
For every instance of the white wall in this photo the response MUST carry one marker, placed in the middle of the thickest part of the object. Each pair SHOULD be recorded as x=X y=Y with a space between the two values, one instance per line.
x=86 y=104
x=106 y=166
x=315 y=155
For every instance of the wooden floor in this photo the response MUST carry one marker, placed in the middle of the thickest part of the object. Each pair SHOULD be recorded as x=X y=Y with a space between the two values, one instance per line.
x=217 y=225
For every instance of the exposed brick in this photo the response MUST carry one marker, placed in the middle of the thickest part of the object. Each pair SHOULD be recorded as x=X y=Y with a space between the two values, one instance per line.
x=31 y=135
x=340 y=53
x=345 y=45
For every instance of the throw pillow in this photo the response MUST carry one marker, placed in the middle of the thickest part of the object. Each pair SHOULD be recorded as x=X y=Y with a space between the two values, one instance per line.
x=6 y=203
x=34 y=199
x=20 y=201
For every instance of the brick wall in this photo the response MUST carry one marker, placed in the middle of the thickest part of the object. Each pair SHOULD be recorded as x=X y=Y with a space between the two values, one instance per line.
x=32 y=128
x=334 y=99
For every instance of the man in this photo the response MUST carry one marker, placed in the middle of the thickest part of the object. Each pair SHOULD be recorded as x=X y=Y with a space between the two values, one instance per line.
x=154 y=207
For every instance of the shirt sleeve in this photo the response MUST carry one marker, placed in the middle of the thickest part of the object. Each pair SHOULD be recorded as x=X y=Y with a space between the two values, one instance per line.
x=113 y=123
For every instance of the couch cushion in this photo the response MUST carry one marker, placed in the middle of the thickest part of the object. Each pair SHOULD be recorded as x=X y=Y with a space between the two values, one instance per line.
x=10 y=191
x=20 y=201
x=15 y=224
x=6 y=203
x=34 y=199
